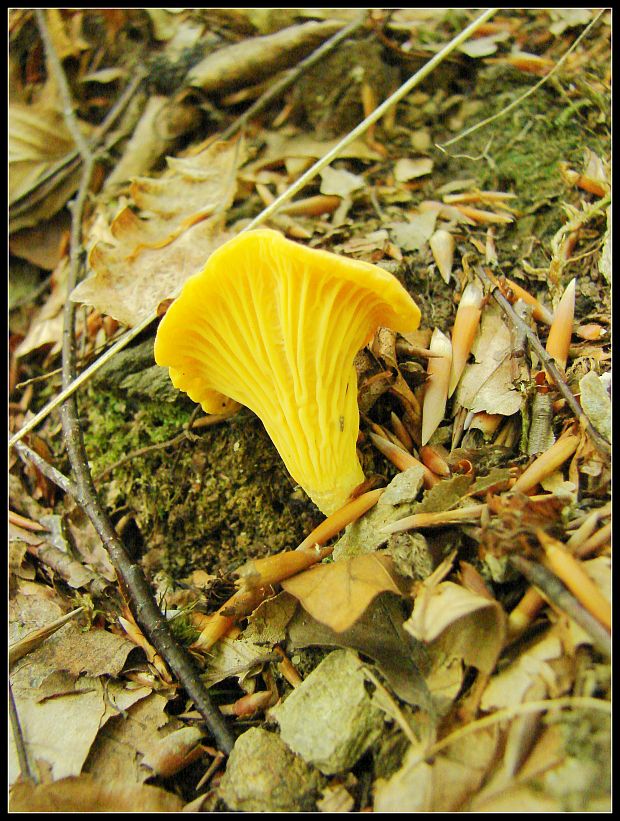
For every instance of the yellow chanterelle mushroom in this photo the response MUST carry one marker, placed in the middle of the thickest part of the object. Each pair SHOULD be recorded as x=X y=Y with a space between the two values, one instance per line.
x=276 y=326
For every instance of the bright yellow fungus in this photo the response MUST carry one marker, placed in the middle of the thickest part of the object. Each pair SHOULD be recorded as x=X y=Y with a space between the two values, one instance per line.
x=276 y=326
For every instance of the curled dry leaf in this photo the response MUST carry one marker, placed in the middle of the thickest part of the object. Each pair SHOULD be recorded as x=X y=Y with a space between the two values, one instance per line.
x=250 y=61
x=174 y=752
x=151 y=258
x=461 y=622
x=40 y=151
x=443 y=783
x=337 y=594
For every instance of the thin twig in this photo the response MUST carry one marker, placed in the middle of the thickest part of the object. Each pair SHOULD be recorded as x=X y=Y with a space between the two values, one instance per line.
x=50 y=472
x=372 y=118
x=18 y=737
x=525 y=707
x=186 y=433
x=553 y=589
x=524 y=96
x=81 y=379
x=599 y=441
x=131 y=577
x=56 y=70
x=136 y=454
x=398 y=95
x=293 y=75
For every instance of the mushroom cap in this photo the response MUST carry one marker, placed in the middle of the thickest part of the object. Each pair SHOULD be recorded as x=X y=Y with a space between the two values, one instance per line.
x=275 y=326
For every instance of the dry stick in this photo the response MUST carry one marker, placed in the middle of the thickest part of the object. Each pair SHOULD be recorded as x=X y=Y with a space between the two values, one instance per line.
x=524 y=96
x=291 y=76
x=18 y=737
x=554 y=591
x=266 y=213
x=132 y=581
x=599 y=441
x=50 y=472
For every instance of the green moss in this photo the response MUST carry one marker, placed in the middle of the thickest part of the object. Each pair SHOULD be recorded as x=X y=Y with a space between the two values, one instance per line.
x=210 y=502
x=521 y=152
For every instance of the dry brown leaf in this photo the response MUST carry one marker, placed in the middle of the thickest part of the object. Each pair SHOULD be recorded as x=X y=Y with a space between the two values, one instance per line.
x=408 y=168
x=543 y=662
x=130 y=289
x=159 y=125
x=248 y=62
x=340 y=182
x=46 y=326
x=378 y=634
x=487 y=384
x=194 y=187
x=174 y=752
x=337 y=594
x=85 y=793
x=459 y=623
x=38 y=139
x=414 y=234
x=280 y=148
x=43 y=169
x=60 y=717
x=94 y=652
x=149 y=259
x=42 y=244
x=444 y=784
x=118 y=749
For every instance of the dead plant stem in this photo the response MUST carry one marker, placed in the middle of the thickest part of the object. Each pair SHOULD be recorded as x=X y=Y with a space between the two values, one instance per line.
x=18 y=737
x=132 y=580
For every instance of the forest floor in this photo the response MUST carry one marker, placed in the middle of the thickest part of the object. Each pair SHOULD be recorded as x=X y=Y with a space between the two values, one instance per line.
x=451 y=665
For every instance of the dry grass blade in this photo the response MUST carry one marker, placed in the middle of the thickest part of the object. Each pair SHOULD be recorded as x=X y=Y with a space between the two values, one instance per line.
x=442 y=519
x=599 y=442
x=34 y=639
